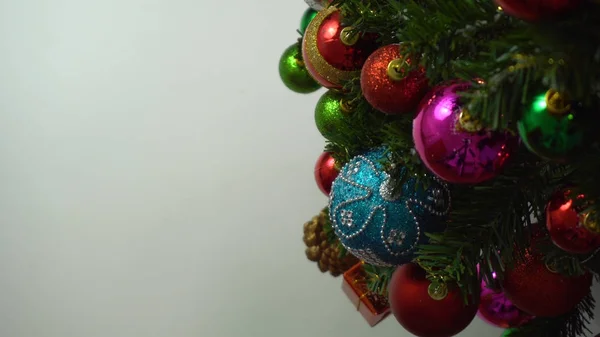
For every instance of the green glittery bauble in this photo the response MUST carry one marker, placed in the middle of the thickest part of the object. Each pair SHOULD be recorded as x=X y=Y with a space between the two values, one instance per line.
x=552 y=136
x=307 y=17
x=331 y=118
x=293 y=72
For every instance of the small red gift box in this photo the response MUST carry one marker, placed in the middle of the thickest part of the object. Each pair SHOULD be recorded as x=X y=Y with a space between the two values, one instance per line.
x=373 y=307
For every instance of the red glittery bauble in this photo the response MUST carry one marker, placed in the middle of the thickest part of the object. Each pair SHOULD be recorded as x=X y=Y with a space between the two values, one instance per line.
x=533 y=10
x=419 y=313
x=385 y=86
x=566 y=228
x=325 y=172
x=498 y=310
x=533 y=288
x=329 y=60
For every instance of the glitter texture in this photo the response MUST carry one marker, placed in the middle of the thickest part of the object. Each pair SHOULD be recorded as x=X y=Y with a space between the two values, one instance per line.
x=377 y=226
x=499 y=311
x=329 y=61
x=533 y=288
x=452 y=154
x=330 y=118
x=384 y=93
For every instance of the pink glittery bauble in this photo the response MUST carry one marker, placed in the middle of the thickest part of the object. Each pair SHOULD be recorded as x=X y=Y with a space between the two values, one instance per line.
x=454 y=155
x=497 y=310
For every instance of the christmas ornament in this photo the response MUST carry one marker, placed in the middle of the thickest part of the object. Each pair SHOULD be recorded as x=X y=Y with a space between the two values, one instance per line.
x=331 y=117
x=534 y=10
x=567 y=227
x=386 y=85
x=552 y=127
x=373 y=307
x=447 y=149
x=538 y=290
x=317 y=4
x=427 y=309
x=293 y=72
x=320 y=249
x=499 y=311
x=509 y=332
x=334 y=54
x=307 y=17
x=378 y=224
x=325 y=172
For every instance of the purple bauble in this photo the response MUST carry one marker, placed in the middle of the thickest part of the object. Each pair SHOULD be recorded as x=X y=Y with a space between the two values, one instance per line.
x=497 y=310
x=455 y=155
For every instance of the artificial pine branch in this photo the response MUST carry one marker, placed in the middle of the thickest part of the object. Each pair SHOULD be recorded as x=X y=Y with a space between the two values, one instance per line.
x=572 y=324
x=508 y=62
x=490 y=218
x=378 y=278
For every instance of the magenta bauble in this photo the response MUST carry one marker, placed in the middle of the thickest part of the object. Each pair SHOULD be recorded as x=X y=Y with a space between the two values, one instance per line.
x=453 y=154
x=497 y=310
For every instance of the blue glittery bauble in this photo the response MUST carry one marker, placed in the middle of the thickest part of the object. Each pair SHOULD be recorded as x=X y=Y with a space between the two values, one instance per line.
x=377 y=226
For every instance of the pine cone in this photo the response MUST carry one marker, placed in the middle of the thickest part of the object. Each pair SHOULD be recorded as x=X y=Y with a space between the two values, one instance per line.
x=319 y=249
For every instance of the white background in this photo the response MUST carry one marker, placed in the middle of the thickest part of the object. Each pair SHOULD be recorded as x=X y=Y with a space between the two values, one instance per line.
x=155 y=175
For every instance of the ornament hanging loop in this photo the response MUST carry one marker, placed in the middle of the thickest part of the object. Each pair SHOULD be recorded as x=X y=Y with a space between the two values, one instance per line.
x=557 y=103
x=395 y=69
x=437 y=291
x=348 y=36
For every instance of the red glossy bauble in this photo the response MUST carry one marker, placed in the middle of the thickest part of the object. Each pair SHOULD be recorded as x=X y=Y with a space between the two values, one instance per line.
x=566 y=226
x=422 y=315
x=331 y=56
x=385 y=86
x=533 y=288
x=325 y=172
x=534 y=10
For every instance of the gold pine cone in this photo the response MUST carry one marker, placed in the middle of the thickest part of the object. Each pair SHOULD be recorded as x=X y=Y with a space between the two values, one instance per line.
x=320 y=250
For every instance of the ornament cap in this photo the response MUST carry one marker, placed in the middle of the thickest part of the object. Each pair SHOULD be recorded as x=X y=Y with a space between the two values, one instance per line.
x=346 y=106
x=349 y=36
x=557 y=103
x=467 y=123
x=551 y=266
x=589 y=221
x=437 y=291
x=395 y=69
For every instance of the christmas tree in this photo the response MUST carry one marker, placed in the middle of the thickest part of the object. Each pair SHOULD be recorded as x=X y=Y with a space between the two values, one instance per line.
x=461 y=161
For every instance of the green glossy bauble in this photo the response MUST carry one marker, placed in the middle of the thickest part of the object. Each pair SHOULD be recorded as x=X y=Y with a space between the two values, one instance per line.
x=509 y=332
x=307 y=17
x=293 y=73
x=552 y=127
x=331 y=117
